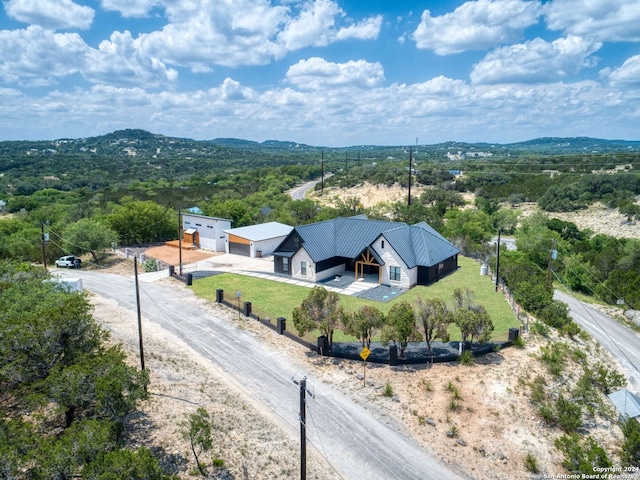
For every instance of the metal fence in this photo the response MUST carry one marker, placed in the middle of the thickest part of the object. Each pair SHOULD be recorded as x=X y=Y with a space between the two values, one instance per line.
x=414 y=355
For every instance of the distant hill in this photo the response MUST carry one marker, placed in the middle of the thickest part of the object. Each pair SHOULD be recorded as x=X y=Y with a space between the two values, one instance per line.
x=144 y=143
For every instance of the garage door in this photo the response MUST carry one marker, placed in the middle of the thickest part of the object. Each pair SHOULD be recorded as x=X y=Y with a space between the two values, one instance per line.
x=239 y=249
x=239 y=246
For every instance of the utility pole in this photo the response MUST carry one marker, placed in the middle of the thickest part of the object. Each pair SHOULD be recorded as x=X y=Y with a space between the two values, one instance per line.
x=43 y=239
x=553 y=253
x=498 y=260
x=180 y=241
x=303 y=426
x=322 y=172
x=135 y=272
x=410 y=165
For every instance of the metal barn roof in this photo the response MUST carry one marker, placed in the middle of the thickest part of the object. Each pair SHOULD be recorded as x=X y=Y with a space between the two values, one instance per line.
x=263 y=231
x=626 y=403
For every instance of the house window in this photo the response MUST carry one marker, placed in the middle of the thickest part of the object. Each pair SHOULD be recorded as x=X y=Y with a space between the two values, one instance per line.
x=394 y=273
x=303 y=268
x=198 y=224
x=187 y=223
x=285 y=265
x=382 y=244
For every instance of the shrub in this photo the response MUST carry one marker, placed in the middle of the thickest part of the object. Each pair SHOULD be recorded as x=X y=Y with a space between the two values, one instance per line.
x=150 y=265
x=466 y=358
x=582 y=455
x=388 y=390
x=553 y=356
x=568 y=414
x=538 y=394
x=540 y=328
x=531 y=464
x=519 y=342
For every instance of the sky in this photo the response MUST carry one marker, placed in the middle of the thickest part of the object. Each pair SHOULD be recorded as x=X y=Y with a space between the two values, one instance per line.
x=321 y=72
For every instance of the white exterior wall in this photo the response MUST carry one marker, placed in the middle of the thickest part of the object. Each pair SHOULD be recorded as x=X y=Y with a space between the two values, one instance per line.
x=332 y=272
x=266 y=246
x=408 y=277
x=296 y=260
x=210 y=230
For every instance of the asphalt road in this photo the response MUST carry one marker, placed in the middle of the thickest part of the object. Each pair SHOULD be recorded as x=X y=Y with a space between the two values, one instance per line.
x=621 y=342
x=359 y=443
x=299 y=193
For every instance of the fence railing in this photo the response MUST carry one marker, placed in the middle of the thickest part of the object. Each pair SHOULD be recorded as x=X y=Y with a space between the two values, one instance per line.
x=381 y=355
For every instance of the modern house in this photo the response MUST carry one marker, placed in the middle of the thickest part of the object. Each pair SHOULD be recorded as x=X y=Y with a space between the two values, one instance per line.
x=205 y=232
x=399 y=254
x=256 y=240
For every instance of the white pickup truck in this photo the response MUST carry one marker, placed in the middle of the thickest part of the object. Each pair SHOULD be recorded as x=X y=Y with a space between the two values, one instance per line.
x=69 y=262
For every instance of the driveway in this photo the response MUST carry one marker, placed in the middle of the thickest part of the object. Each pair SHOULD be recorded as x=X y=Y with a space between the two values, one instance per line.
x=360 y=443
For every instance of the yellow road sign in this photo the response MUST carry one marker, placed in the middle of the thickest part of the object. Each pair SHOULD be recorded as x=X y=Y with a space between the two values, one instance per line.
x=365 y=353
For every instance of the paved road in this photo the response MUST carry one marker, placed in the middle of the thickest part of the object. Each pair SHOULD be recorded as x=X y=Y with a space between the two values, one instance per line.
x=359 y=443
x=299 y=193
x=618 y=340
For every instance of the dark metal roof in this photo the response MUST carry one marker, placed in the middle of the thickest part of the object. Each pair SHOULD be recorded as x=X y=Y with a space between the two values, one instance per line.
x=419 y=244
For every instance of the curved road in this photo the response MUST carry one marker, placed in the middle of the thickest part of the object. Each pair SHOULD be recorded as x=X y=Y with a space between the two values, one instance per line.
x=621 y=342
x=300 y=193
x=359 y=443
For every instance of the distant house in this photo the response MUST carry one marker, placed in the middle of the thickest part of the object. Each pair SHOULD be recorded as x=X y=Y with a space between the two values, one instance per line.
x=256 y=240
x=399 y=254
x=205 y=232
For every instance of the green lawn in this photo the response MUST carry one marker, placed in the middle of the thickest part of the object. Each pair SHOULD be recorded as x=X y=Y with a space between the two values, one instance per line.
x=274 y=299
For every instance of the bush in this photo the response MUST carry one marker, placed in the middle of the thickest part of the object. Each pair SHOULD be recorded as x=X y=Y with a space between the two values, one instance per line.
x=630 y=455
x=582 y=455
x=150 y=265
x=466 y=358
x=540 y=328
x=388 y=390
x=568 y=414
x=531 y=464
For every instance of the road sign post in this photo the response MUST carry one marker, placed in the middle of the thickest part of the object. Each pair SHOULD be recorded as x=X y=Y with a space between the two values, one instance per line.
x=364 y=354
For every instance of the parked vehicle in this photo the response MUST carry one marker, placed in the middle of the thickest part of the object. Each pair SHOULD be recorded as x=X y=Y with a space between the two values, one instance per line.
x=69 y=261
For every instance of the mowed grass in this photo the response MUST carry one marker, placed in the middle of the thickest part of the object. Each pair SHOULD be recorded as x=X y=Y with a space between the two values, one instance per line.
x=273 y=299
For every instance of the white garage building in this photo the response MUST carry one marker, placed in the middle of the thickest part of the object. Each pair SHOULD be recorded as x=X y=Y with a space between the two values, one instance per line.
x=256 y=240
x=205 y=232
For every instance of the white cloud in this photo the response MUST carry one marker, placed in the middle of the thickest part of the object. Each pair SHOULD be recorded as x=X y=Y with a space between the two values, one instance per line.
x=314 y=25
x=39 y=57
x=476 y=25
x=36 y=57
x=535 y=61
x=316 y=73
x=616 y=20
x=628 y=75
x=366 y=30
x=54 y=14
x=130 y=8
x=121 y=61
x=436 y=110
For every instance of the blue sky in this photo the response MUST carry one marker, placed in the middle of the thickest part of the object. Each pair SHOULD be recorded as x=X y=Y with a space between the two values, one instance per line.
x=321 y=72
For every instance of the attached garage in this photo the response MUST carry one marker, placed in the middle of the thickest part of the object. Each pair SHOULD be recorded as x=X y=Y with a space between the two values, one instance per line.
x=256 y=240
